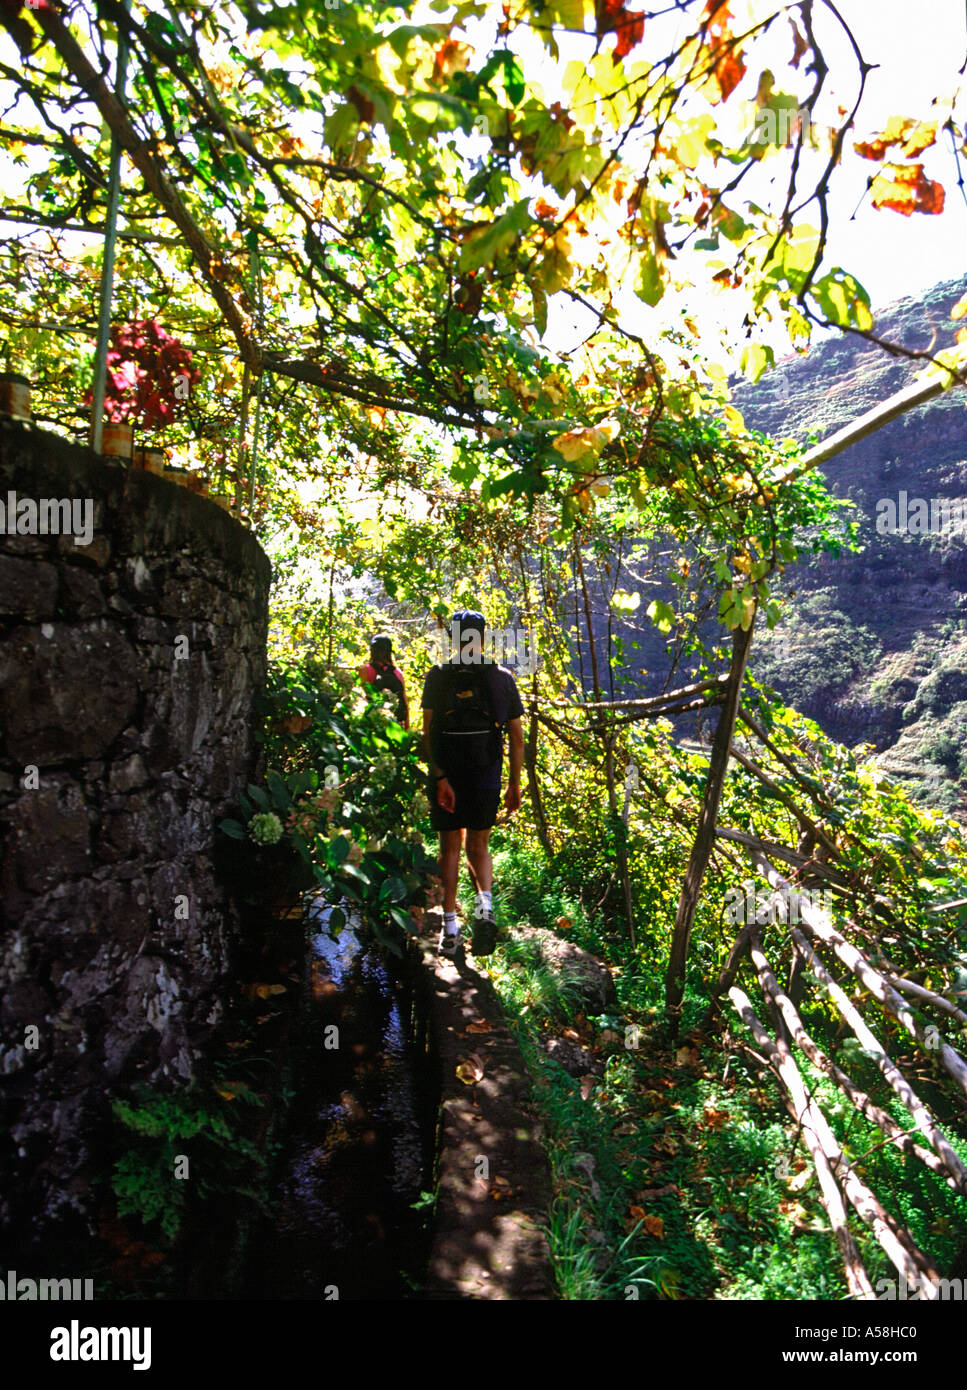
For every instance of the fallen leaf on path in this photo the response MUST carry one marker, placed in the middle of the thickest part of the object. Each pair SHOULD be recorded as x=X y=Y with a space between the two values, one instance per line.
x=500 y=1190
x=257 y=991
x=687 y=1057
x=470 y=1070
x=480 y=1025
x=655 y=1226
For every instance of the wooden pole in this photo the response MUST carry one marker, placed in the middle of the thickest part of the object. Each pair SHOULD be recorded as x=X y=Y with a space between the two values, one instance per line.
x=803 y=1111
x=718 y=767
x=106 y=297
x=907 y=399
x=922 y=1115
x=867 y=1108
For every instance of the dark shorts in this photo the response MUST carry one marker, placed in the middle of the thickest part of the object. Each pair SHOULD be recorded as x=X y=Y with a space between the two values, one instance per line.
x=475 y=809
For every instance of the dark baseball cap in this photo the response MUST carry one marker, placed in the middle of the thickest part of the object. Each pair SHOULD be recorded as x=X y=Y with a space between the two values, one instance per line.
x=468 y=619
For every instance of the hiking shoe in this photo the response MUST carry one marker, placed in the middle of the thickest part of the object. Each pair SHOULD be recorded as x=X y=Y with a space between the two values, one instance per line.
x=450 y=944
x=484 y=932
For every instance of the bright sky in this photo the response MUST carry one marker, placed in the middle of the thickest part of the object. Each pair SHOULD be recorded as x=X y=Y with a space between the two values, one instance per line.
x=919 y=47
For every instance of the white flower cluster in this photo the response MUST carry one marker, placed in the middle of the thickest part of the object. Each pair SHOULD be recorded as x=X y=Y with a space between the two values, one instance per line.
x=383 y=770
x=265 y=829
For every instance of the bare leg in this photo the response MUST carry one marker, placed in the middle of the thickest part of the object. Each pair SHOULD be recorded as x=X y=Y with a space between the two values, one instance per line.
x=451 y=843
x=479 y=861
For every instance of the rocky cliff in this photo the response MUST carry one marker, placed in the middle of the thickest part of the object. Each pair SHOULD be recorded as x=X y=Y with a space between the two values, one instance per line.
x=875 y=644
x=130 y=661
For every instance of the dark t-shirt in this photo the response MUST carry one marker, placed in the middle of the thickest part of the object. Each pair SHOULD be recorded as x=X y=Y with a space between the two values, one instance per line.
x=506 y=706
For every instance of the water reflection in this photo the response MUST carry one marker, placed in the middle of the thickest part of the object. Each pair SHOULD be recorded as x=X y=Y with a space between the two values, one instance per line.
x=354 y=1152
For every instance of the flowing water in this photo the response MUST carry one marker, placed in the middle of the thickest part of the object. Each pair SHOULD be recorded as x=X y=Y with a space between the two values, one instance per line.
x=356 y=1144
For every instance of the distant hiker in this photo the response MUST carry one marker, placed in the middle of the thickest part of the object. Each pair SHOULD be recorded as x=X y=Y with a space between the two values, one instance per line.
x=467 y=704
x=381 y=673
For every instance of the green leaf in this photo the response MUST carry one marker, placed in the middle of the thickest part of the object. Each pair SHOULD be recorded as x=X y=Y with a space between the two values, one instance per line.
x=279 y=791
x=483 y=247
x=661 y=614
x=232 y=828
x=625 y=602
x=650 y=286
x=843 y=300
x=513 y=78
x=569 y=13
x=757 y=358
x=540 y=307
x=393 y=890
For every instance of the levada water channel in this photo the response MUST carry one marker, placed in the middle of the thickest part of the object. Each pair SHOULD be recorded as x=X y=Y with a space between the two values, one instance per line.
x=357 y=1151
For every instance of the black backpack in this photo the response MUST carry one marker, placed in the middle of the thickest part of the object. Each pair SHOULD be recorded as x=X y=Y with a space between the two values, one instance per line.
x=466 y=736
x=387 y=679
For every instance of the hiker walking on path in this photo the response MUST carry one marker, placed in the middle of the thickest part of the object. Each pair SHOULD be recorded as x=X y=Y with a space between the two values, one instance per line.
x=381 y=673
x=467 y=704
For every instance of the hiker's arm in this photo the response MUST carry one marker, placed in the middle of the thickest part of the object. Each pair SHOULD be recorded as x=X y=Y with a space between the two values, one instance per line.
x=444 y=792
x=512 y=794
x=406 y=710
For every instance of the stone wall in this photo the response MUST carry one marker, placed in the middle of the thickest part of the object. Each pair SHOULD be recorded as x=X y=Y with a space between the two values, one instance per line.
x=128 y=671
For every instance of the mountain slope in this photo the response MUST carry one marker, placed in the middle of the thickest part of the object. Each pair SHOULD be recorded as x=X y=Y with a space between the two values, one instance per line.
x=875 y=645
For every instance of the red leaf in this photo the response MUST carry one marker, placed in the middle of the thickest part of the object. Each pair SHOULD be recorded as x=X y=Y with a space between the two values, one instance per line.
x=727 y=66
x=611 y=17
x=905 y=188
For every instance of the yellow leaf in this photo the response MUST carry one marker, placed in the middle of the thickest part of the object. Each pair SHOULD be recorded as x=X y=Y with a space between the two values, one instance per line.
x=471 y=1070
x=734 y=417
x=692 y=145
x=575 y=444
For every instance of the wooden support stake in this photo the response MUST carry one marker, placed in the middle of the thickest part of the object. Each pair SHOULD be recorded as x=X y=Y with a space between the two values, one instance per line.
x=718 y=767
x=802 y=1110
x=897 y=1244
x=922 y=1115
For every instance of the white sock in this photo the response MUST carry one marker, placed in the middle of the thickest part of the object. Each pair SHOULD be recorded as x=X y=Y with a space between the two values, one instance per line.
x=450 y=924
x=483 y=900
